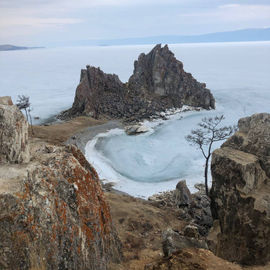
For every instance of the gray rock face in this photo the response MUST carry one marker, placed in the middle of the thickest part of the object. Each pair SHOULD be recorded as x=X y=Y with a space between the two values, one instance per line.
x=158 y=83
x=98 y=93
x=160 y=73
x=193 y=208
x=241 y=192
x=174 y=241
x=13 y=133
x=182 y=194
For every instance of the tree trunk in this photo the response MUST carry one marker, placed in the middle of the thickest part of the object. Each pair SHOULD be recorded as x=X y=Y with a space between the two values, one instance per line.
x=26 y=114
x=31 y=123
x=206 y=175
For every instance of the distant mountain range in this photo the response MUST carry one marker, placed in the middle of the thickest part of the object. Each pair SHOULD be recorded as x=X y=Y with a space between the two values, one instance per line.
x=8 y=47
x=262 y=34
x=245 y=35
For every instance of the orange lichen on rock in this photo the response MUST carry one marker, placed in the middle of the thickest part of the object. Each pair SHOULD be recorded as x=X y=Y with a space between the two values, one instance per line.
x=60 y=213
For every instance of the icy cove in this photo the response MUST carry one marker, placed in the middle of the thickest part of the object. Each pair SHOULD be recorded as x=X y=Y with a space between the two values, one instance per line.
x=155 y=161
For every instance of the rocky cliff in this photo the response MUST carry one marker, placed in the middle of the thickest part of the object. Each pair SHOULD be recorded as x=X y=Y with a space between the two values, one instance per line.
x=98 y=93
x=159 y=82
x=53 y=214
x=13 y=133
x=159 y=73
x=241 y=192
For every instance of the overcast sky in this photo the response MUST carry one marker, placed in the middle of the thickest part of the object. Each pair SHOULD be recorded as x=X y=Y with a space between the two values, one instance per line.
x=44 y=22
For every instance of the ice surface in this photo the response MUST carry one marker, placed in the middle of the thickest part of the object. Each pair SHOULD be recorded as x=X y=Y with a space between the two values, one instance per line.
x=236 y=73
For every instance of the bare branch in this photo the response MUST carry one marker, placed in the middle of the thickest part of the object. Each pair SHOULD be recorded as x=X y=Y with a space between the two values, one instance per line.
x=23 y=103
x=208 y=133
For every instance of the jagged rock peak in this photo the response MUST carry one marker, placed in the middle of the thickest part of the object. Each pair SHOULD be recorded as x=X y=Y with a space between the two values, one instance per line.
x=97 y=92
x=241 y=177
x=160 y=73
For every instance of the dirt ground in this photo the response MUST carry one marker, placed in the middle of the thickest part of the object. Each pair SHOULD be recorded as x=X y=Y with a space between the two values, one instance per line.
x=60 y=132
x=140 y=223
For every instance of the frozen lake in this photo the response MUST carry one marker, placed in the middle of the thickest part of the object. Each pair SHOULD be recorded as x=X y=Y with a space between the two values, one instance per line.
x=236 y=73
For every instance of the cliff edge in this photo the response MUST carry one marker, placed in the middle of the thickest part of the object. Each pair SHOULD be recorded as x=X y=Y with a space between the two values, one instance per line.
x=241 y=192
x=53 y=213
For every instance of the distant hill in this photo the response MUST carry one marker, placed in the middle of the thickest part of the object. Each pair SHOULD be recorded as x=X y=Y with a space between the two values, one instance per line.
x=8 y=47
x=262 y=34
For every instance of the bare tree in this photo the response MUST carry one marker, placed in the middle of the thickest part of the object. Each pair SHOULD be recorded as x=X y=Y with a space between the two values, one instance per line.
x=23 y=103
x=204 y=137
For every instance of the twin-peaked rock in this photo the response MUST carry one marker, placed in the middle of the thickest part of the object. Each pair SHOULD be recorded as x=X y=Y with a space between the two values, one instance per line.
x=159 y=82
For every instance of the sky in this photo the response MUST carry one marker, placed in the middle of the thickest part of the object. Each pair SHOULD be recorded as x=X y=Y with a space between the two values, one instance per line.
x=46 y=22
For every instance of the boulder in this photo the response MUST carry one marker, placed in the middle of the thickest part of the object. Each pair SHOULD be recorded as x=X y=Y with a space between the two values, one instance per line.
x=13 y=133
x=241 y=192
x=6 y=100
x=173 y=241
x=182 y=194
x=136 y=129
x=193 y=208
x=191 y=231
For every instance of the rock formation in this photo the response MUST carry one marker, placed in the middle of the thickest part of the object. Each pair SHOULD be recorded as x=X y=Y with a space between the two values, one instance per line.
x=160 y=73
x=182 y=194
x=241 y=192
x=53 y=214
x=174 y=241
x=98 y=93
x=13 y=133
x=192 y=208
x=159 y=82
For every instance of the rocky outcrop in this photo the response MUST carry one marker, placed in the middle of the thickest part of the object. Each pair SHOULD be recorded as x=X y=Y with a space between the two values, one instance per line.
x=192 y=208
x=182 y=194
x=241 y=192
x=158 y=83
x=160 y=73
x=98 y=93
x=13 y=133
x=174 y=241
x=53 y=214
x=136 y=129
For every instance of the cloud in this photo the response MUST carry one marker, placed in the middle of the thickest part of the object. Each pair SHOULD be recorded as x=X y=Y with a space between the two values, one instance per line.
x=106 y=19
x=10 y=21
x=234 y=13
x=230 y=6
